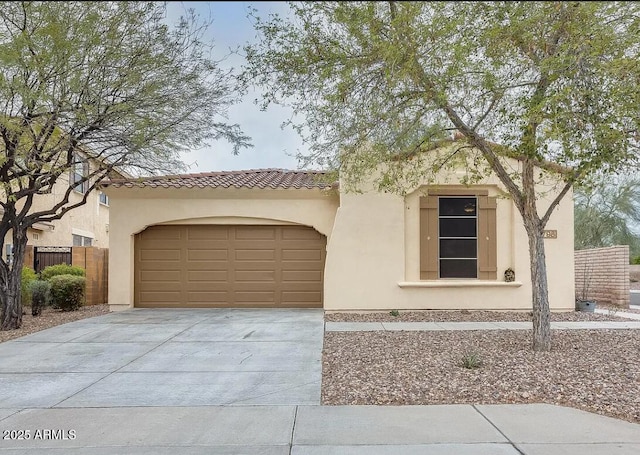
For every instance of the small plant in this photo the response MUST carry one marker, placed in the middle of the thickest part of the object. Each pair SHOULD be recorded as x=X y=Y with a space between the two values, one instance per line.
x=636 y=260
x=40 y=296
x=394 y=313
x=67 y=292
x=471 y=360
x=61 y=269
x=28 y=275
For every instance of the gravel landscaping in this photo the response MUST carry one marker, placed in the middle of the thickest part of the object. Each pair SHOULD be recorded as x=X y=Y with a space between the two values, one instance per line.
x=51 y=318
x=593 y=370
x=463 y=316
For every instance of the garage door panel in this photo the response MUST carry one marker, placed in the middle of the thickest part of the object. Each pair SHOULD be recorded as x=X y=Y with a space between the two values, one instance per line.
x=161 y=275
x=207 y=255
x=161 y=296
x=254 y=265
x=204 y=232
x=208 y=275
x=302 y=275
x=153 y=233
x=208 y=296
x=293 y=296
x=255 y=233
x=160 y=286
x=207 y=266
x=227 y=266
x=300 y=265
x=255 y=275
x=160 y=255
x=268 y=254
x=302 y=255
x=161 y=266
x=254 y=296
x=298 y=233
x=301 y=286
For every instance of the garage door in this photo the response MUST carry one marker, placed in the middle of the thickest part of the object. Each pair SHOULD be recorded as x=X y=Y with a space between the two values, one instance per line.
x=229 y=266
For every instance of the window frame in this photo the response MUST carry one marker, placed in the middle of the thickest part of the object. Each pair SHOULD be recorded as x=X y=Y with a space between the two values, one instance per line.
x=83 y=240
x=106 y=199
x=440 y=237
x=429 y=242
x=77 y=177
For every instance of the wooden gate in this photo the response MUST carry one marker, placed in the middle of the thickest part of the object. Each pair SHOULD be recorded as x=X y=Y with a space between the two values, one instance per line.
x=44 y=256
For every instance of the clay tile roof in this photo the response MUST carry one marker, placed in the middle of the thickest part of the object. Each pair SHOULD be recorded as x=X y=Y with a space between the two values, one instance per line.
x=253 y=178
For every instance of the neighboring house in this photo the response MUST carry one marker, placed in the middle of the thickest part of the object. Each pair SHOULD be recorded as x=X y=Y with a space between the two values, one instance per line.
x=87 y=225
x=276 y=238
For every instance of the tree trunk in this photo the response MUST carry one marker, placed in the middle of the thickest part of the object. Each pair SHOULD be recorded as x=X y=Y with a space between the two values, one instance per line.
x=539 y=289
x=10 y=286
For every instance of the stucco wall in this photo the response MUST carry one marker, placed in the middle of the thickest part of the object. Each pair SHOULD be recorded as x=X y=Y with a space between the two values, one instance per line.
x=373 y=256
x=134 y=209
x=606 y=273
x=89 y=220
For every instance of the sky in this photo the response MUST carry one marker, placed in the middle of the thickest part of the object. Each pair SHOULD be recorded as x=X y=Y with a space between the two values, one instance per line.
x=273 y=147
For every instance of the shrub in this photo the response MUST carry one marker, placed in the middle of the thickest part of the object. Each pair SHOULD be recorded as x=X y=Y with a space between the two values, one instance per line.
x=636 y=260
x=67 y=291
x=40 y=296
x=28 y=275
x=61 y=269
x=471 y=360
x=394 y=313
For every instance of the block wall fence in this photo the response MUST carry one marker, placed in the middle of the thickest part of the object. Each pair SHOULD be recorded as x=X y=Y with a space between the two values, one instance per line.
x=603 y=274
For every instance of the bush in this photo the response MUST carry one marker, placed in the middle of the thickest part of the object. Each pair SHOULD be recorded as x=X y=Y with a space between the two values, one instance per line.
x=28 y=275
x=61 y=269
x=40 y=296
x=636 y=260
x=67 y=291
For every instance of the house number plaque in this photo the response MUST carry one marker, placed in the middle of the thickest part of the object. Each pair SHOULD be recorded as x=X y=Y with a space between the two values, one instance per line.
x=550 y=234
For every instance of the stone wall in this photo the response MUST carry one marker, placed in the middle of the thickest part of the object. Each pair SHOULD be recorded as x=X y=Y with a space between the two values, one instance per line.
x=606 y=272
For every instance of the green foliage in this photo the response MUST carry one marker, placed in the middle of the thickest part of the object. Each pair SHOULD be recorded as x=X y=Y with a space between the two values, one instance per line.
x=101 y=86
x=471 y=360
x=40 y=296
x=607 y=213
x=67 y=291
x=394 y=313
x=28 y=275
x=635 y=260
x=537 y=91
x=61 y=269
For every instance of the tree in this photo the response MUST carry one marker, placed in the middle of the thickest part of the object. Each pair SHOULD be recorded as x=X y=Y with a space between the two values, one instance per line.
x=108 y=83
x=551 y=84
x=608 y=213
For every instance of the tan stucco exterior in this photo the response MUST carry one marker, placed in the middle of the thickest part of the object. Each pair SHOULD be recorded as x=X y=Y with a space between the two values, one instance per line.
x=373 y=239
x=373 y=256
x=89 y=220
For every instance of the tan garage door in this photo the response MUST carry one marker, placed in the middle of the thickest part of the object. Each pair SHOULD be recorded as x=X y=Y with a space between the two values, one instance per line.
x=229 y=266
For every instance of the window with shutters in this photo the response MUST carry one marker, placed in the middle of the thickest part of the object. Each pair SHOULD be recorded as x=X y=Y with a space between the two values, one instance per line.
x=458 y=235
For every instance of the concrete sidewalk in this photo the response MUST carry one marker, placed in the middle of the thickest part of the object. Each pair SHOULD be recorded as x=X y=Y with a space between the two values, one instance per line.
x=410 y=326
x=535 y=429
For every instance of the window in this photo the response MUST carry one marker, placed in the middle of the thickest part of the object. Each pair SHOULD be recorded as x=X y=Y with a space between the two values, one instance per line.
x=79 y=240
x=104 y=199
x=458 y=235
x=79 y=171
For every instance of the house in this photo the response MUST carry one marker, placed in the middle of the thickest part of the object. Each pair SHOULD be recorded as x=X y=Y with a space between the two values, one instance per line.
x=277 y=238
x=87 y=225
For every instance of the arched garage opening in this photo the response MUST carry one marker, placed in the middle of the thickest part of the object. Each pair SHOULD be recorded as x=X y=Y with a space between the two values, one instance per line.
x=205 y=266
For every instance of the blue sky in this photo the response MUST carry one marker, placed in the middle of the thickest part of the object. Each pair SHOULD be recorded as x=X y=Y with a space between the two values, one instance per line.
x=273 y=146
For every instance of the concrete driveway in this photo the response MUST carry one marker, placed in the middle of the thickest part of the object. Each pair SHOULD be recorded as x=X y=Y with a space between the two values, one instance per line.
x=168 y=358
